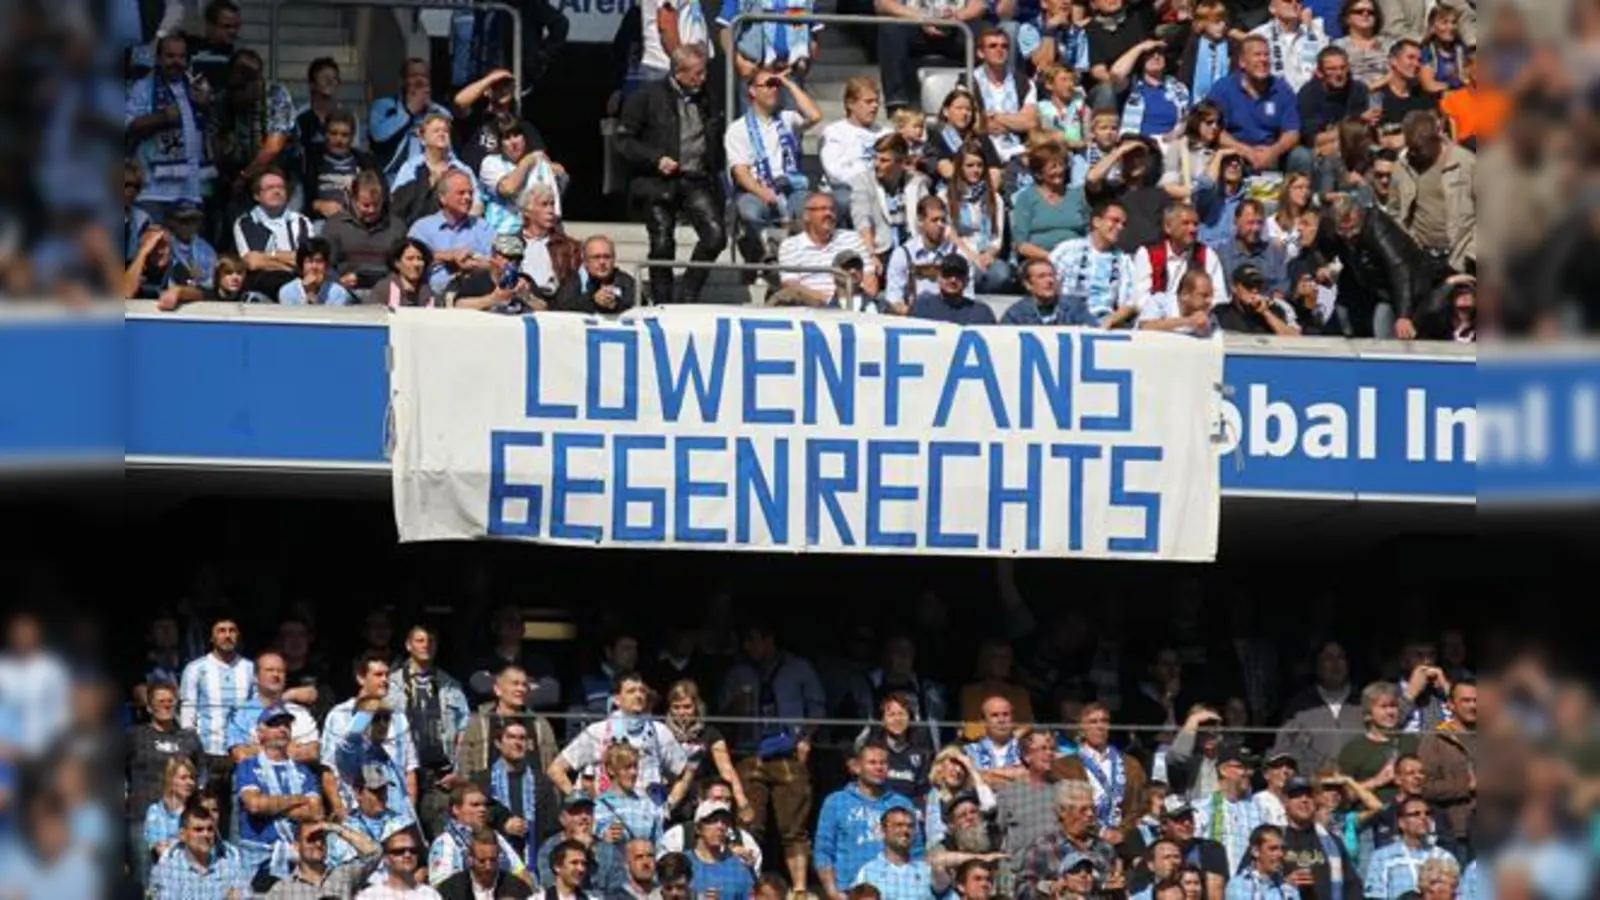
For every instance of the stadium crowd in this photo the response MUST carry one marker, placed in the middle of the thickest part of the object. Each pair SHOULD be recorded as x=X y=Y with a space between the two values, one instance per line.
x=1287 y=168
x=1199 y=754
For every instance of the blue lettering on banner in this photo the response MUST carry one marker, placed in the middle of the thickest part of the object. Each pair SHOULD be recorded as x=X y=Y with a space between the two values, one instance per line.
x=618 y=449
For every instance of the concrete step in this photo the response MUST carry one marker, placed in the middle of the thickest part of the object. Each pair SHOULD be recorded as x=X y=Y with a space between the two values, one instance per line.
x=288 y=35
x=309 y=14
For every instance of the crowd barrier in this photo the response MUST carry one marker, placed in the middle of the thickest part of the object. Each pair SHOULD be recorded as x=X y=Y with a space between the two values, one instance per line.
x=306 y=389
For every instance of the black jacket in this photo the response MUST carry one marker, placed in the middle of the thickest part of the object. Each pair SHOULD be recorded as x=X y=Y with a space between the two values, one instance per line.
x=1382 y=264
x=1321 y=109
x=574 y=295
x=648 y=131
x=459 y=887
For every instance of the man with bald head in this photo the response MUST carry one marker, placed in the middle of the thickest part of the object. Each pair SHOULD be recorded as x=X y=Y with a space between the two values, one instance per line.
x=598 y=287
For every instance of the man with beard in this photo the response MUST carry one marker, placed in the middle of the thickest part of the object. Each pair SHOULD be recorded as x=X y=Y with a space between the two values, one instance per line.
x=970 y=842
x=1314 y=860
x=1450 y=781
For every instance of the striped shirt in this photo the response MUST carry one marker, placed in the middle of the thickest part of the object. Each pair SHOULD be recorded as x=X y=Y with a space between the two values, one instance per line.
x=178 y=877
x=800 y=251
x=210 y=691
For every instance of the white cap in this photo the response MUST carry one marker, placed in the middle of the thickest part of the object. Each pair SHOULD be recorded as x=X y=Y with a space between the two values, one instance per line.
x=709 y=808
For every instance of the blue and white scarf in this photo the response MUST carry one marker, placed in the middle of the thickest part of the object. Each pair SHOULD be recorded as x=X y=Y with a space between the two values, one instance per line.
x=988 y=756
x=789 y=146
x=1113 y=785
x=974 y=218
x=283 y=778
x=500 y=792
x=1000 y=99
x=1307 y=47
x=1093 y=276
x=1133 y=113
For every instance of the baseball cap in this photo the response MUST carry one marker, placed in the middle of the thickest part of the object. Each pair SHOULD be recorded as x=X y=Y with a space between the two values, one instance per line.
x=1075 y=860
x=1249 y=277
x=375 y=777
x=954 y=266
x=184 y=209
x=509 y=246
x=1281 y=758
x=575 y=800
x=710 y=808
x=277 y=712
x=1298 y=786
x=1176 y=806
x=1235 y=752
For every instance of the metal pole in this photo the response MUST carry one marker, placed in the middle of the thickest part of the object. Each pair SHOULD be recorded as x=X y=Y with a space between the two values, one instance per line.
x=841 y=278
x=738 y=21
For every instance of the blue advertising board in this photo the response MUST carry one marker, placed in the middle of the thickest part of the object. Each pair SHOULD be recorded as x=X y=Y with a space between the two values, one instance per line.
x=1539 y=426
x=273 y=388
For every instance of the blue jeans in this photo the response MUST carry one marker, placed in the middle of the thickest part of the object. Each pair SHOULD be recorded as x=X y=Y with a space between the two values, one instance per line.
x=994 y=279
x=756 y=217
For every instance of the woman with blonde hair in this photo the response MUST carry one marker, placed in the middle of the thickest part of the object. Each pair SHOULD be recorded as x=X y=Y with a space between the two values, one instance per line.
x=178 y=783
x=703 y=743
x=1294 y=199
x=953 y=773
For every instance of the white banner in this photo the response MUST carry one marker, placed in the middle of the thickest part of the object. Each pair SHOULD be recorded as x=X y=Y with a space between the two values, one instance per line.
x=748 y=429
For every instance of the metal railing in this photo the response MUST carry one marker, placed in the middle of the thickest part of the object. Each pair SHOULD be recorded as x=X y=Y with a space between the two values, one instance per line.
x=499 y=5
x=841 y=278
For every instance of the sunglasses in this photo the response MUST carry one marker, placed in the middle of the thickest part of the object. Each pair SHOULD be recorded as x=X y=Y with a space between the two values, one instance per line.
x=769 y=83
x=408 y=850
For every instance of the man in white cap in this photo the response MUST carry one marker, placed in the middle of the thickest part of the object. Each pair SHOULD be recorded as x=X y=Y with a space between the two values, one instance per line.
x=716 y=869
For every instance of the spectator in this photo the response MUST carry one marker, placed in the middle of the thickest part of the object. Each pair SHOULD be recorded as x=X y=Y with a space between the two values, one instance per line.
x=332 y=167
x=763 y=155
x=1443 y=52
x=1229 y=815
x=483 y=108
x=1117 y=779
x=194 y=868
x=209 y=54
x=166 y=122
x=1187 y=159
x=274 y=793
x=577 y=827
x=815 y=246
x=1397 y=868
x=1056 y=38
x=1254 y=308
x=1260 y=117
x=900 y=46
x=1364 y=42
x=667 y=134
x=503 y=285
x=1117 y=27
x=771 y=47
x=626 y=809
x=416 y=183
x=477 y=752
x=311 y=126
x=156 y=749
x=848 y=147
x=667 y=25
x=1071 y=844
x=717 y=871
x=1159 y=267
x=1187 y=309
x=901 y=876
x=364 y=235
x=271 y=690
x=954 y=301
x=849 y=831
x=402 y=873
x=1158 y=103
x=460 y=241
x=1294 y=41
x=229 y=287
x=1207 y=54
x=1333 y=96
x=395 y=123
x=150 y=274
x=212 y=688
x=1091 y=270
x=1451 y=312
x=1007 y=97
x=883 y=199
x=251 y=132
x=1384 y=270
x=1263 y=877
x=1250 y=246
x=779 y=688
x=960 y=122
x=370 y=813
x=1315 y=718
x=269 y=236
x=641 y=883
x=162 y=817
x=1048 y=213
x=978 y=218
x=1042 y=305
x=509 y=173
x=1316 y=860
x=1402 y=93
x=1434 y=198
x=1475 y=110
x=452 y=849
x=314 y=871
x=1064 y=112
x=598 y=287
x=314 y=287
x=432 y=699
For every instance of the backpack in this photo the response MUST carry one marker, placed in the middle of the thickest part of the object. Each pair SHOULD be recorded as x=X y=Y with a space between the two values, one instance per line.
x=1158 y=264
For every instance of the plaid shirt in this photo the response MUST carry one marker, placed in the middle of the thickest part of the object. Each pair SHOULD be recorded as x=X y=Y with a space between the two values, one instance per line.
x=1041 y=863
x=337 y=881
x=1229 y=823
x=178 y=877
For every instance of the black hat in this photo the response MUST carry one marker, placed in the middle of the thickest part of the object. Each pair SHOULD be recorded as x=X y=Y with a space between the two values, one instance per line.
x=954 y=266
x=847 y=259
x=1233 y=751
x=1281 y=758
x=1249 y=277
x=1299 y=786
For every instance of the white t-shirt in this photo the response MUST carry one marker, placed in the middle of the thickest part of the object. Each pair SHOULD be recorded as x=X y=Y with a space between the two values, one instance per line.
x=740 y=152
x=691 y=30
x=384 y=892
x=846 y=150
x=800 y=251
x=1003 y=98
x=660 y=755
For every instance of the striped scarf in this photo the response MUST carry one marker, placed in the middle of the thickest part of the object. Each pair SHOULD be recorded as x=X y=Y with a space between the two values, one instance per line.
x=500 y=792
